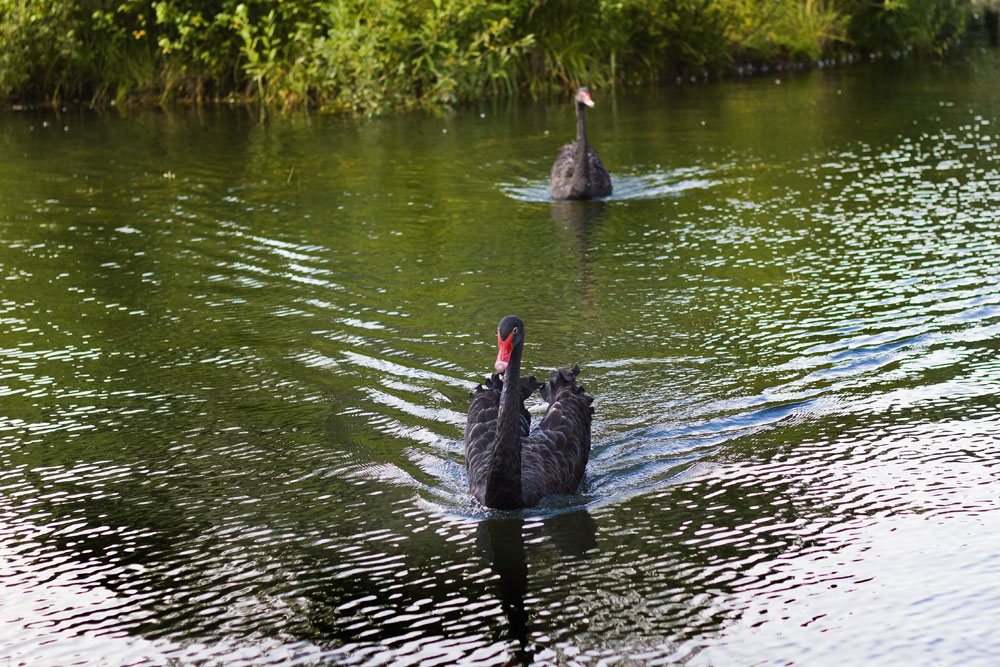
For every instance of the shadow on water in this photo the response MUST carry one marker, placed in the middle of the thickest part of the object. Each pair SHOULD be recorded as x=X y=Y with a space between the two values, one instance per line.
x=501 y=541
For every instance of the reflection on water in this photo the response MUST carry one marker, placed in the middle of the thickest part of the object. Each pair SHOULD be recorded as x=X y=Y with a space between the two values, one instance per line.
x=236 y=360
x=579 y=216
x=501 y=540
x=502 y=543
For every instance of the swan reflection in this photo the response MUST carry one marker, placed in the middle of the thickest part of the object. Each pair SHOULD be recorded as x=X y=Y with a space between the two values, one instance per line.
x=579 y=216
x=501 y=540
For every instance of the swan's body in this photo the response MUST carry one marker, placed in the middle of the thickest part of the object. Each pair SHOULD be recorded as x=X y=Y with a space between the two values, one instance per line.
x=578 y=173
x=509 y=465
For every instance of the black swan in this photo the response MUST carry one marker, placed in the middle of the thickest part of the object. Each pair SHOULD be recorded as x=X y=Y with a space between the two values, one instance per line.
x=509 y=465
x=578 y=173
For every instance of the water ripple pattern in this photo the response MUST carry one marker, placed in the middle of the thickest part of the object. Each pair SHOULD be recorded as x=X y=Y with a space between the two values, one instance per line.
x=651 y=184
x=237 y=355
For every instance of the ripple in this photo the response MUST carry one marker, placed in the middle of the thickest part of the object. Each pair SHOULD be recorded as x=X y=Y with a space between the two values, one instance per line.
x=234 y=398
x=653 y=185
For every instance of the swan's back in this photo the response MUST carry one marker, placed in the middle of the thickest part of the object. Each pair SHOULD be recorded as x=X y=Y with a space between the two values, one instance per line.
x=561 y=184
x=554 y=456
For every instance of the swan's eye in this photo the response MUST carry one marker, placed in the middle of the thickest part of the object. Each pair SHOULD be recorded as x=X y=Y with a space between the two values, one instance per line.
x=514 y=330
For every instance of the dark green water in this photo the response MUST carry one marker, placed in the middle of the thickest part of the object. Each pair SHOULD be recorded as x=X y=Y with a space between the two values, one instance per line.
x=236 y=357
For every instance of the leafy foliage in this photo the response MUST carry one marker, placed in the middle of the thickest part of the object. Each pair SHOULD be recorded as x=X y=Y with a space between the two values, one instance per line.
x=369 y=56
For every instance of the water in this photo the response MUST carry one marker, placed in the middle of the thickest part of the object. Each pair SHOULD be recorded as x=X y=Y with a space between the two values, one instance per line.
x=236 y=358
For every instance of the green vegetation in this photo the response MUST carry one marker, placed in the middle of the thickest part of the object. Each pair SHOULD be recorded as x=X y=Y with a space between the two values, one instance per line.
x=369 y=56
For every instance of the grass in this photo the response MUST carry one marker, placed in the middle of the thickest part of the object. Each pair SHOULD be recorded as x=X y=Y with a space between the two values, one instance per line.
x=374 y=56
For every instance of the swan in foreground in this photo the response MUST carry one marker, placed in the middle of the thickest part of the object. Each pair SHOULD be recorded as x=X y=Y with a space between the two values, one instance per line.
x=509 y=465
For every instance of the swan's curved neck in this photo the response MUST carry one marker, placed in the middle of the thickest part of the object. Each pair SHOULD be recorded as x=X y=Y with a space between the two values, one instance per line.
x=581 y=170
x=503 y=483
x=581 y=128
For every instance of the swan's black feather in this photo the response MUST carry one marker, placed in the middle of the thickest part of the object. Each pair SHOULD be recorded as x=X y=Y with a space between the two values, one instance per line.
x=578 y=173
x=562 y=185
x=510 y=465
x=554 y=455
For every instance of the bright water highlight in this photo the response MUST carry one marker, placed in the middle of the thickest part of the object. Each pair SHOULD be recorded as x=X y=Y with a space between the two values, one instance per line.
x=236 y=359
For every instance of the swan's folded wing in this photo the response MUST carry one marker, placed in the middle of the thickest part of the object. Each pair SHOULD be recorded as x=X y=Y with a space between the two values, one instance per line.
x=480 y=429
x=565 y=155
x=561 y=177
x=554 y=455
x=528 y=387
x=600 y=179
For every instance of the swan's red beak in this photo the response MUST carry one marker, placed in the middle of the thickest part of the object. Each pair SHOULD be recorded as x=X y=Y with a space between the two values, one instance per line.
x=585 y=98
x=503 y=355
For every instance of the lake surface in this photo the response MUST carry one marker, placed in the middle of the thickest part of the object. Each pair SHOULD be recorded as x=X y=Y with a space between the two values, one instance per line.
x=237 y=353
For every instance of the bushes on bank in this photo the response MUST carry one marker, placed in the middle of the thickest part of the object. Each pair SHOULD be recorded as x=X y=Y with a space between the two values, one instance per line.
x=369 y=56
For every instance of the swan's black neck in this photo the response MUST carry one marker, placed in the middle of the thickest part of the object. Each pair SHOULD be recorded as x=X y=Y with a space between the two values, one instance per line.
x=581 y=125
x=581 y=170
x=503 y=482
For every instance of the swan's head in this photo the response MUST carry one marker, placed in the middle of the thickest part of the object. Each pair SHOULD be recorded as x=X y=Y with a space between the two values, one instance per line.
x=510 y=334
x=583 y=97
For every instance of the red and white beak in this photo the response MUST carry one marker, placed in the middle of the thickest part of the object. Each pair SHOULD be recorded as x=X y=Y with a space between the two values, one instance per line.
x=503 y=355
x=585 y=98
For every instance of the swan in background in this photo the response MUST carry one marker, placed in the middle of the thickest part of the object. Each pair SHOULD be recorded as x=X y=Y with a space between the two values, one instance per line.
x=578 y=173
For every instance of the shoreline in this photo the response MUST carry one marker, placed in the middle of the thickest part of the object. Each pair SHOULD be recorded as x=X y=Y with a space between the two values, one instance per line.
x=748 y=69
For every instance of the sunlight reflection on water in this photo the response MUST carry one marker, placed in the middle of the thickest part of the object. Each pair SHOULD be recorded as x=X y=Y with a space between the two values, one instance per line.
x=232 y=425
